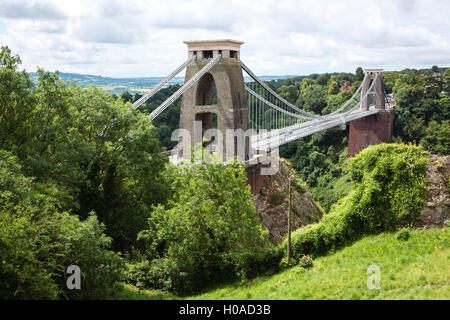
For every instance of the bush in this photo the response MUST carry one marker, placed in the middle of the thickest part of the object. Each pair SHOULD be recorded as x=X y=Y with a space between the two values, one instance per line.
x=403 y=234
x=250 y=264
x=305 y=262
x=284 y=264
x=37 y=248
x=38 y=243
x=86 y=246
x=388 y=192
x=203 y=236
x=167 y=275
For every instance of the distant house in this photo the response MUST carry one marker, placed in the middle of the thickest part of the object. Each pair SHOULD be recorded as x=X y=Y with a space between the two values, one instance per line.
x=346 y=87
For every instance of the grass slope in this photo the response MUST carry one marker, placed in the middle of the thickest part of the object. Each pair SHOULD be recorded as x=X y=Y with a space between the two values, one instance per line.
x=415 y=269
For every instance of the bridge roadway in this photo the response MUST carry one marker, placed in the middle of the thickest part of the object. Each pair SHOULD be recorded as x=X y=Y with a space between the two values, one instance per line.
x=277 y=137
x=265 y=144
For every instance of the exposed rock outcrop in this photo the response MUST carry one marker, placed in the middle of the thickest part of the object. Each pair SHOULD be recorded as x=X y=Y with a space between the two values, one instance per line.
x=436 y=208
x=272 y=203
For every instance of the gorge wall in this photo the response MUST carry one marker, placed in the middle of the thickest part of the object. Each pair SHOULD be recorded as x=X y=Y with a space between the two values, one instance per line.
x=273 y=198
x=436 y=208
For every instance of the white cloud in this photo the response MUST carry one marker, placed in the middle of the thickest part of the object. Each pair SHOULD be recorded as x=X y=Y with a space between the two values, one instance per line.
x=144 y=38
x=39 y=10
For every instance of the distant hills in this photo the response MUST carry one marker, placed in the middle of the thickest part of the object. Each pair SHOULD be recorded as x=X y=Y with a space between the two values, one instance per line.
x=132 y=85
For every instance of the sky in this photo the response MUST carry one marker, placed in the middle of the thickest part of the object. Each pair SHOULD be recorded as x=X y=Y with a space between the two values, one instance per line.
x=135 y=38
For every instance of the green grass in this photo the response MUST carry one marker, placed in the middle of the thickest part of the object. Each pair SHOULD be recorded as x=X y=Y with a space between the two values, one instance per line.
x=415 y=269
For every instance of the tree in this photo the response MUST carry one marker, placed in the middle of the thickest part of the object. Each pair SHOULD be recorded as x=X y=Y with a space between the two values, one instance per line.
x=323 y=79
x=84 y=145
x=435 y=69
x=126 y=97
x=359 y=74
x=39 y=242
x=16 y=103
x=333 y=88
x=313 y=98
x=212 y=215
x=446 y=81
x=437 y=138
x=123 y=172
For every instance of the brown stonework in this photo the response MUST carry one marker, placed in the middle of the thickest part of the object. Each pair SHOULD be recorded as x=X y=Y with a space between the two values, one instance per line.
x=436 y=209
x=254 y=178
x=272 y=203
x=369 y=131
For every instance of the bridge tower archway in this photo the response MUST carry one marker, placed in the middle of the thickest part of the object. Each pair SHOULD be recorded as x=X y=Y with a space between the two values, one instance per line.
x=219 y=97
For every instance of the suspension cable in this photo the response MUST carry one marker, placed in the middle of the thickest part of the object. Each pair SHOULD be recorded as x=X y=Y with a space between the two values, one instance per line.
x=147 y=96
x=307 y=114
x=185 y=87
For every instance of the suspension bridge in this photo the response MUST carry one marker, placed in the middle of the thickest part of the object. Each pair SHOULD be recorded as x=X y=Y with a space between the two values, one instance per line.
x=217 y=101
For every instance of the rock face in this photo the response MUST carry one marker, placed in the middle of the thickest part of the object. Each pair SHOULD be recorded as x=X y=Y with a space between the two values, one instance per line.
x=436 y=208
x=272 y=203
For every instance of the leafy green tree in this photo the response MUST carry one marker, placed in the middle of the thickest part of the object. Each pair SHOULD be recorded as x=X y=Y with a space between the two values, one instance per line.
x=38 y=242
x=126 y=96
x=333 y=88
x=437 y=138
x=446 y=81
x=16 y=103
x=435 y=69
x=290 y=90
x=99 y=155
x=359 y=74
x=323 y=79
x=211 y=216
x=389 y=79
x=313 y=98
x=125 y=168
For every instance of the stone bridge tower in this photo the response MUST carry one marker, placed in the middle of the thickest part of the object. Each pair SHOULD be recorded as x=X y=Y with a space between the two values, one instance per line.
x=376 y=128
x=217 y=100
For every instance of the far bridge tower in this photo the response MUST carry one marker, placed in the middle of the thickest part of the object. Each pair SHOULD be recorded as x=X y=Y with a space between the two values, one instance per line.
x=376 y=128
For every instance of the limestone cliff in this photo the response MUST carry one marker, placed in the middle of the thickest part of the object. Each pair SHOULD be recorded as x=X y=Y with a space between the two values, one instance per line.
x=436 y=208
x=272 y=203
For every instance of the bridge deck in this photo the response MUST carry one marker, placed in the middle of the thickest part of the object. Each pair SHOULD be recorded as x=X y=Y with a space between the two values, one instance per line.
x=278 y=137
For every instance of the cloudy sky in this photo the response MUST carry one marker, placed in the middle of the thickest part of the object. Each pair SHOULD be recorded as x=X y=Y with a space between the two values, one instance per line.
x=145 y=38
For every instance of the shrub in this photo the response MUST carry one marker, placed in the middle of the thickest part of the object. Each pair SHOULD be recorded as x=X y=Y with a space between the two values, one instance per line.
x=390 y=185
x=403 y=234
x=388 y=192
x=167 y=275
x=305 y=261
x=204 y=234
x=276 y=198
x=284 y=264
x=86 y=246
x=38 y=243
x=36 y=249
x=250 y=264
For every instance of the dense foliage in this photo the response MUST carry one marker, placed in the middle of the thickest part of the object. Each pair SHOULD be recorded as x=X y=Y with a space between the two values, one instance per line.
x=389 y=188
x=76 y=164
x=205 y=232
x=85 y=144
x=38 y=242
